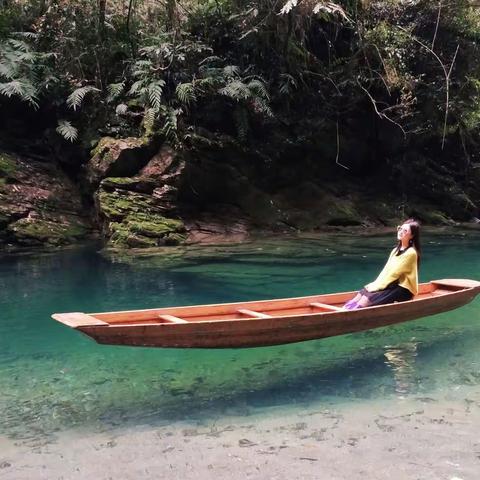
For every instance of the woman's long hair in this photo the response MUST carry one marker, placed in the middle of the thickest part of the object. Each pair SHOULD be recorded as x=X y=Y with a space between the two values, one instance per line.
x=415 y=240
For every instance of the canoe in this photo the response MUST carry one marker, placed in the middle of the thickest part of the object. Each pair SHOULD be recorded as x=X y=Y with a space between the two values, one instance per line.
x=266 y=322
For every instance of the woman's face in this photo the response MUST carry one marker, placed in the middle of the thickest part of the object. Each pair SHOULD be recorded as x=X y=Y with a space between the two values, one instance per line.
x=404 y=232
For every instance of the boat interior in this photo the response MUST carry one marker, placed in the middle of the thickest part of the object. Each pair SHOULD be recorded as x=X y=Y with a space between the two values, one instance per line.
x=248 y=310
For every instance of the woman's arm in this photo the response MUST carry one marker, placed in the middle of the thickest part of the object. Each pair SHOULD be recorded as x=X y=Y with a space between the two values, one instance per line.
x=394 y=269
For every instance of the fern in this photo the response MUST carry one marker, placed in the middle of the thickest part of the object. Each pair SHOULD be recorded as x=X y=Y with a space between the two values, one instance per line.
x=25 y=73
x=258 y=88
x=155 y=90
x=28 y=35
x=21 y=88
x=19 y=45
x=76 y=98
x=287 y=83
x=207 y=83
x=8 y=70
x=142 y=68
x=137 y=87
x=288 y=6
x=186 y=93
x=236 y=90
x=262 y=107
x=67 y=130
x=330 y=8
x=231 y=71
x=149 y=118
x=211 y=59
x=114 y=91
x=325 y=7
x=170 y=127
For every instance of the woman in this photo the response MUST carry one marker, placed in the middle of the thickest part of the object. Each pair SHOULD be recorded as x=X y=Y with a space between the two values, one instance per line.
x=398 y=281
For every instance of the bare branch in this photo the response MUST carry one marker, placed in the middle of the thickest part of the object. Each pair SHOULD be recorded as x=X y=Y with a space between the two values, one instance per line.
x=438 y=23
x=380 y=114
x=338 y=151
x=445 y=72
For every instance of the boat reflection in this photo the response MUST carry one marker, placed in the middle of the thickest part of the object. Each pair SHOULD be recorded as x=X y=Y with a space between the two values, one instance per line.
x=401 y=359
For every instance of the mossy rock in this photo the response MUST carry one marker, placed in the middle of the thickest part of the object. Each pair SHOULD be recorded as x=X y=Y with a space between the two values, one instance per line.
x=340 y=212
x=122 y=157
x=8 y=166
x=135 y=184
x=118 y=182
x=118 y=204
x=429 y=216
x=146 y=230
x=38 y=230
x=153 y=225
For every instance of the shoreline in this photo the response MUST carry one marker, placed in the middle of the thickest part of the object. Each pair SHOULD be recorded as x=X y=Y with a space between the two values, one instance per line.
x=236 y=239
x=431 y=437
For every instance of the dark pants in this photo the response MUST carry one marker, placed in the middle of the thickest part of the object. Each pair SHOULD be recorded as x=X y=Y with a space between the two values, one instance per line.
x=393 y=293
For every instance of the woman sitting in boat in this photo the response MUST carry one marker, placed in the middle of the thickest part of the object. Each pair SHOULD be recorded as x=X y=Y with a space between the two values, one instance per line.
x=398 y=281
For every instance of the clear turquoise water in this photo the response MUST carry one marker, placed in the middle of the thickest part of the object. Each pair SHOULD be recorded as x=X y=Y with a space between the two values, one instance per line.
x=52 y=378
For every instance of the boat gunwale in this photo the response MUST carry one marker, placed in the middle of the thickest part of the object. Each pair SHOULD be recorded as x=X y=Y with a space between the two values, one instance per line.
x=339 y=313
x=211 y=305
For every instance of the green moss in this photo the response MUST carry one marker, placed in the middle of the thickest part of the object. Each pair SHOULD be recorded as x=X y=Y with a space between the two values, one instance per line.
x=107 y=144
x=143 y=230
x=175 y=238
x=116 y=205
x=118 y=181
x=432 y=217
x=48 y=231
x=103 y=145
x=75 y=230
x=342 y=213
x=7 y=165
x=153 y=225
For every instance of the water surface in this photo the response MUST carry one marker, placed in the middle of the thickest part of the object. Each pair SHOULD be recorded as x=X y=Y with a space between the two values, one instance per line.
x=53 y=378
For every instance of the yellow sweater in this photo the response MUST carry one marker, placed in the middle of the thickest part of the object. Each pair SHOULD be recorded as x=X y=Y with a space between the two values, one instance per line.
x=398 y=267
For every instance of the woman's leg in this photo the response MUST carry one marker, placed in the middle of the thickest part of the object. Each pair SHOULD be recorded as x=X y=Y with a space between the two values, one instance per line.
x=363 y=302
x=353 y=301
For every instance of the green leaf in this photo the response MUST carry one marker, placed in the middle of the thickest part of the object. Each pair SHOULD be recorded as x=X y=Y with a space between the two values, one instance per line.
x=288 y=6
x=186 y=93
x=155 y=90
x=137 y=87
x=22 y=89
x=114 y=91
x=231 y=71
x=236 y=90
x=258 y=88
x=75 y=99
x=67 y=130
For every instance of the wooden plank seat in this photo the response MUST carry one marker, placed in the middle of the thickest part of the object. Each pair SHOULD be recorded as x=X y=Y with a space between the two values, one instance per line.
x=172 y=319
x=251 y=313
x=325 y=306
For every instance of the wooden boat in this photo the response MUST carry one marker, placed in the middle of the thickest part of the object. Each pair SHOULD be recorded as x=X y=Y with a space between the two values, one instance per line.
x=261 y=323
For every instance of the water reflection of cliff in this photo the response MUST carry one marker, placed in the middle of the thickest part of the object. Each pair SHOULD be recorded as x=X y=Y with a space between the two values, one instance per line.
x=401 y=359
